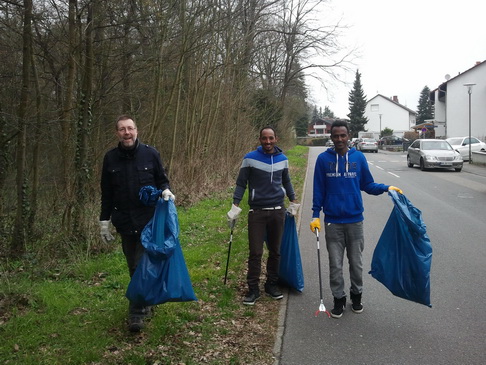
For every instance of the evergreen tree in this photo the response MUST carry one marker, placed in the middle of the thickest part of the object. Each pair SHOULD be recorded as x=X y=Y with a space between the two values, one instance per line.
x=357 y=106
x=386 y=132
x=315 y=115
x=328 y=113
x=425 y=109
x=301 y=126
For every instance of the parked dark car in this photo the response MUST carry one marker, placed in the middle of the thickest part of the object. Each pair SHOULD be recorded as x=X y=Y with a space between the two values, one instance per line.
x=391 y=140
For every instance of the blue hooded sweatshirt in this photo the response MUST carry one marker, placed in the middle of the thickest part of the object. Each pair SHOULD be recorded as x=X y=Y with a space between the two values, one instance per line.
x=338 y=181
x=268 y=179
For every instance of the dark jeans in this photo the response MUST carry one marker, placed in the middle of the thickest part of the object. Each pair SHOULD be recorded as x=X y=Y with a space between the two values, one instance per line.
x=133 y=250
x=264 y=225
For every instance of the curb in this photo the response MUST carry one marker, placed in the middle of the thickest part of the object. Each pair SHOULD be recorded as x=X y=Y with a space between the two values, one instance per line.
x=282 y=313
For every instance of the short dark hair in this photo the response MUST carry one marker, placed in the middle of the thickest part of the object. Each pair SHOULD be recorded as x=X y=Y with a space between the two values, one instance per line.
x=339 y=123
x=124 y=117
x=268 y=127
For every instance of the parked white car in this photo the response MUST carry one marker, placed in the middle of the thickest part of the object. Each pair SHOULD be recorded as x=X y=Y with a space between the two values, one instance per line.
x=367 y=144
x=461 y=145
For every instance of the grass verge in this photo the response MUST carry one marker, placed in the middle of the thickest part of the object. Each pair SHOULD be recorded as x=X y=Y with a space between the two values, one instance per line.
x=76 y=313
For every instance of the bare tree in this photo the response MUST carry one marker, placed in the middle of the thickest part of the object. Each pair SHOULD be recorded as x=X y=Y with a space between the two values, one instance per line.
x=83 y=163
x=19 y=233
x=200 y=77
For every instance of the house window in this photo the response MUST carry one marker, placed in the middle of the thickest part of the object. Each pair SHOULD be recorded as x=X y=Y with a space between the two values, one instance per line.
x=375 y=107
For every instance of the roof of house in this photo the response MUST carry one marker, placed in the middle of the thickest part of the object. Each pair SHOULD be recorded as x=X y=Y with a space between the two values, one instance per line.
x=394 y=102
x=459 y=74
x=326 y=120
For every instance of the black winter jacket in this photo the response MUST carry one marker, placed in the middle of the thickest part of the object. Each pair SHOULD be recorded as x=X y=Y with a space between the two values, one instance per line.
x=124 y=173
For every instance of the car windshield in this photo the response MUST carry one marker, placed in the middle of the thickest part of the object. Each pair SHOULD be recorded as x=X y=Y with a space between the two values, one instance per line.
x=436 y=145
x=455 y=141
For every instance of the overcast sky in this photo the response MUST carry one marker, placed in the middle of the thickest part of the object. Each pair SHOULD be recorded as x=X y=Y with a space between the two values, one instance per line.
x=406 y=45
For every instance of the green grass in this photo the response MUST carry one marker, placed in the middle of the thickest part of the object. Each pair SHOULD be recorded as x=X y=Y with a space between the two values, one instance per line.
x=76 y=313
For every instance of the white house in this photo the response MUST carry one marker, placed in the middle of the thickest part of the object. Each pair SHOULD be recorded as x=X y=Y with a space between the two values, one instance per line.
x=383 y=112
x=451 y=103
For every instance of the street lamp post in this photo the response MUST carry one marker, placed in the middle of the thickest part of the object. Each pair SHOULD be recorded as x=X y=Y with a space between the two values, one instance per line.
x=469 y=86
x=380 y=124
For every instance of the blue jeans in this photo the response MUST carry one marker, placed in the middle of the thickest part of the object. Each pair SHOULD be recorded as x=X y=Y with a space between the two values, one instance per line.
x=339 y=238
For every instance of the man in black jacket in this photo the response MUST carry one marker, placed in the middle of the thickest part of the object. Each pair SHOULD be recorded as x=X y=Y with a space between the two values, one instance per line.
x=127 y=168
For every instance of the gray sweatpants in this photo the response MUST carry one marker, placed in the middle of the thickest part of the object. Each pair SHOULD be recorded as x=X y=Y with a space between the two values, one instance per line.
x=339 y=238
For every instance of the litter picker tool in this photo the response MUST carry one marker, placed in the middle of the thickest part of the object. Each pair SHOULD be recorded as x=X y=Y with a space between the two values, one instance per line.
x=322 y=307
x=232 y=226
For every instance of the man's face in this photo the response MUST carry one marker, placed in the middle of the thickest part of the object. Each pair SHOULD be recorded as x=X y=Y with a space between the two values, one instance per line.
x=268 y=140
x=126 y=132
x=340 y=137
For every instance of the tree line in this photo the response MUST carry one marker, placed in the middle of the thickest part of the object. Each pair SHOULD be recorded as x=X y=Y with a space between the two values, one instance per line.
x=200 y=77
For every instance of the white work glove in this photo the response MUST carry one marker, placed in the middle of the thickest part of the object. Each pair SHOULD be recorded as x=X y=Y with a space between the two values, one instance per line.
x=293 y=208
x=105 y=233
x=167 y=194
x=232 y=215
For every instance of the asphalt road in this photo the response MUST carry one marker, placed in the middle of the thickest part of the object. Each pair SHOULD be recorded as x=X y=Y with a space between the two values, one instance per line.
x=392 y=330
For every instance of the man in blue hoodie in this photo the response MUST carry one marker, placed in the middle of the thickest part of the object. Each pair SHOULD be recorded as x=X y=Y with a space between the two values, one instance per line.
x=339 y=176
x=266 y=172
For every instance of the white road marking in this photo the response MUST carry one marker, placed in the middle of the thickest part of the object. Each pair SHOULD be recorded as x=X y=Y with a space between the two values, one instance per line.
x=381 y=168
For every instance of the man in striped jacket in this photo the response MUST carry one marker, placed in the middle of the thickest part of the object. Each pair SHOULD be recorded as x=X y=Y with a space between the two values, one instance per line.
x=266 y=173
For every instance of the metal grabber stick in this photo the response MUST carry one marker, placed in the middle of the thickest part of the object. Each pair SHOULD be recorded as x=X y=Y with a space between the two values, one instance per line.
x=232 y=226
x=322 y=307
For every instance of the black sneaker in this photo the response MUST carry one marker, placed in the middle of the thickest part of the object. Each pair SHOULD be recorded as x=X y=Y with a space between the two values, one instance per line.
x=135 y=323
x=148 y=312
x=339 y=305
x=356 y=305
x=273 y=291
x=251 y=297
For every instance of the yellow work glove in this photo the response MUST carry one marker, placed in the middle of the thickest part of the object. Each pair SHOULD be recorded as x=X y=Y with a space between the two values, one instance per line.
x=316 y=223
x=395 y=188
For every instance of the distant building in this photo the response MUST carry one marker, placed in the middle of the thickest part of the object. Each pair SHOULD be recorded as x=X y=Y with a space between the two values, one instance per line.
x=383 y=112
x=320 y=127
x=451 y=103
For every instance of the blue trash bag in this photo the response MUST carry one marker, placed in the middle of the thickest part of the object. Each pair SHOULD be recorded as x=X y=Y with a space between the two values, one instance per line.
x=290 y=271
x=161 y=234
x=403 y=256
x=149 y=195
x=161 y=278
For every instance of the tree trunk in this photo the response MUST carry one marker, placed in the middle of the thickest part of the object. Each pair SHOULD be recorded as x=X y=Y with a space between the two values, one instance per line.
x=83 y=173
x=17 y=247
x=36 y=151
x=67 y=116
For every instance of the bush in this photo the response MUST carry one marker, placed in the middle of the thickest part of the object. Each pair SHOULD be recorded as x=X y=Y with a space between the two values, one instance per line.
x=319 y=141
